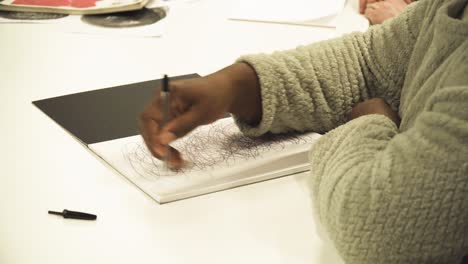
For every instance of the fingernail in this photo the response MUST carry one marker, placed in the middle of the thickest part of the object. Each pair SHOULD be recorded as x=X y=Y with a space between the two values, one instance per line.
x=167 y=138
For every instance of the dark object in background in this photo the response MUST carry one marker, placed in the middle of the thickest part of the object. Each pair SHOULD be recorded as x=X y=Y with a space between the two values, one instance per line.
x=465 y=260
x=136 y=18
x=30 y=15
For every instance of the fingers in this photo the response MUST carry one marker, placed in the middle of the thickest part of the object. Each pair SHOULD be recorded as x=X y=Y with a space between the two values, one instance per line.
x=152 y=138
x=174 y=160
x=149 y=126
x=368 y=13
x=372 y=13
x=149 y=131
x=362 y=6
x=379 y=12
x=181 y=125
x=157 y=136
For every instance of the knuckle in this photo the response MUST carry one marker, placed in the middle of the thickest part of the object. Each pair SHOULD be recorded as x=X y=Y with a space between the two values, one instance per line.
x=144 y=116
x=175 y=86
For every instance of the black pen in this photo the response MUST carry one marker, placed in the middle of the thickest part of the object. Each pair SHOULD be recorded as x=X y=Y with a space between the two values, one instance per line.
x=165 y=95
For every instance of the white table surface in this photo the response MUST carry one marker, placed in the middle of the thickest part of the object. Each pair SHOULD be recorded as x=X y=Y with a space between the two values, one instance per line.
x=43 y=168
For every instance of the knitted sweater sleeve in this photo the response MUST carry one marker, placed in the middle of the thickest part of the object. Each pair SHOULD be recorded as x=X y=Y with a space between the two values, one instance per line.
x=389 y=197
x=312 y=88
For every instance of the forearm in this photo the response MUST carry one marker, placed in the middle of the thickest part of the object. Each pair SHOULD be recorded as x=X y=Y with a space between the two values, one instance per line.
x=313 y=88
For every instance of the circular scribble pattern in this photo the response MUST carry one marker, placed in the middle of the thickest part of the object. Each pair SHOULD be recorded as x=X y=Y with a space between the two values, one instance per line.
x=204 y=149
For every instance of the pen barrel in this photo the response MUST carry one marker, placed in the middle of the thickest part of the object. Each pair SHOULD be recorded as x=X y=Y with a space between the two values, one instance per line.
x=165 y=108
x=78 y=215
x=164 y=92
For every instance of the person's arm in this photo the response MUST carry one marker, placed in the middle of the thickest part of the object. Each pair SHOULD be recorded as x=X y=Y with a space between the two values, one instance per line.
x=310 y=88
x=313 y=87
x=384 y=196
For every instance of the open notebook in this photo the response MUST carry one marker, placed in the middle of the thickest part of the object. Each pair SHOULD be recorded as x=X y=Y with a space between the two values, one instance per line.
x=219 y=155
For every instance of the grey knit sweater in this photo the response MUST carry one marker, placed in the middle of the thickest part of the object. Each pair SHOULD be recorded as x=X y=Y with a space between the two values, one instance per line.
x=383 y=194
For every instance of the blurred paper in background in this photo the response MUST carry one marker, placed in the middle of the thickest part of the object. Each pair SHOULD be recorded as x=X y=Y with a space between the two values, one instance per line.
x=296 y=12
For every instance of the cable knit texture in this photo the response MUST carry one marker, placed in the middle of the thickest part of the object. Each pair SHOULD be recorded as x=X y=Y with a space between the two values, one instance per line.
x=383 y=194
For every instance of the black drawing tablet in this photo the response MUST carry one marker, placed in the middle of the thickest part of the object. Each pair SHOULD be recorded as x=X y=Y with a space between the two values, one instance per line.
x=105 y=114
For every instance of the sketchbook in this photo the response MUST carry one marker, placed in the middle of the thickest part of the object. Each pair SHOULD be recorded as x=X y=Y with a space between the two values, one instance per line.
x=322 y=13
x=218 y=155
x=72 y=7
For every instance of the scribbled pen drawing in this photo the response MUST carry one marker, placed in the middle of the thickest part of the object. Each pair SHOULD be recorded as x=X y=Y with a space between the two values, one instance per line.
x=222 y=144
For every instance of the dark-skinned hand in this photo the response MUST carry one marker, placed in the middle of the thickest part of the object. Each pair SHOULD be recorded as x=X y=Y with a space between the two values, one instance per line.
x=374 y=106
x=199 y=101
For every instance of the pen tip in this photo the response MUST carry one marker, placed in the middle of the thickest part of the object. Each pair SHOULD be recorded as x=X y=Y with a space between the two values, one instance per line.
x=55 y=213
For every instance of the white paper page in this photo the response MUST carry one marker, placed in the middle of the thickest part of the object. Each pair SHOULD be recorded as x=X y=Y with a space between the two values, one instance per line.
x=300 y=12
x=220 y=157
